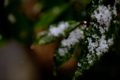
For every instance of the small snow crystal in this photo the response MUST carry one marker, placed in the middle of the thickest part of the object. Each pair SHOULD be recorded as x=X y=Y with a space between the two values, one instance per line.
x=88 y=56
x=90 y=61
x=83 y=27
x=103 y=45
x=110 y=41
x=41 y=33
x=95 y=36
x=79 y=64
x=101 y=30
x=62 y=51
x=114 y=11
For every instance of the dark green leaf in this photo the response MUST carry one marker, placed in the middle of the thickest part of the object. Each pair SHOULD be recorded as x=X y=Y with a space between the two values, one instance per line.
x=51 y=15
x=67 y=47
x=99 y=36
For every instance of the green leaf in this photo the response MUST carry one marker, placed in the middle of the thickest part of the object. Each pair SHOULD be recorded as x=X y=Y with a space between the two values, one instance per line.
x=99 y=36
x=67 y=47
x=51 y=15
x=55 y=32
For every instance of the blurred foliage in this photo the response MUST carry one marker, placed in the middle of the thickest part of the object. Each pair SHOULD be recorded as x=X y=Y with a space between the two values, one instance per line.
x=22 y=26
x=88 y=57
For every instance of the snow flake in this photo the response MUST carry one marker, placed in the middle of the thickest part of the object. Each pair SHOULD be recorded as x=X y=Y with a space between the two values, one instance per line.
x=110 y=41
x=62 y=51
x=114 y=10
x=95 y=36
x=83 y=27
x=102 y=30
x=90 y=61
x=79 y=64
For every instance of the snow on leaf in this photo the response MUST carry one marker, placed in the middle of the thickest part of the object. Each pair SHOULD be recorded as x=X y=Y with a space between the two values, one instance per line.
x=98 y=36
x=55 y=32
x=67 y=47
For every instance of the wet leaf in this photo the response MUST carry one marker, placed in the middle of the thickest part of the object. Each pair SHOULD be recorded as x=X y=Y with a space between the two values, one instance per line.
x=67 y=47
x=100 y=34
x=55 y=32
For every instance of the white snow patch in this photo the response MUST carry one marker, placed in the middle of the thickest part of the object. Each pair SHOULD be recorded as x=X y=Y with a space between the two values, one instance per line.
x=92 y=45
x=103 y=15
x=87 y=29
x=88 y=56
x=79 y=64
x=115 y=21
x=56 y=31
x=41 y=33
x=102 y=30
x=90 y=61
x=95 y=36
x=110 y=41
x=94 y=25
x=101 y=47
x=73 y=38
x=104 y=45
